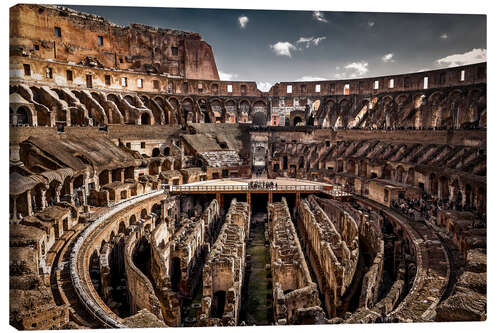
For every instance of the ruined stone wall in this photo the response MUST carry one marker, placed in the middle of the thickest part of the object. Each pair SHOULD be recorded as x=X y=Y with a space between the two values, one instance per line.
x=103 y=230
x=141 y=291
x=333 y=261
x=224 y=269
x=293 y=288
x=188 y=245
x=92 y=40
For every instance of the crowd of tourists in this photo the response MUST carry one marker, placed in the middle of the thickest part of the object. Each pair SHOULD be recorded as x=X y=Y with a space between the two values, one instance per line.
x=259 y=185
x=428 y=206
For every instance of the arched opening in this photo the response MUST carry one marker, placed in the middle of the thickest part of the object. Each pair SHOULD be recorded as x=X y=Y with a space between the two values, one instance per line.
x=95 y=272
x=104 y=177
x=468 y=196
x=166 y=151
x=433 y=184
x=116 y=175
x=154 y=167
x=121 y=228
x=119 y=300
x=145 y=119
x=132 y=220
x=351 y=167
x=387 y=172
x=23 y=116
x=443 y=188
x=297 y=120
x=399 y=174
x=188 y=111
x=156 y=152
x=130 y=100
x=144 y=213
x=141 y=257
x=156 y=209
x=175 y=273
x=129 y=173
x=259 y=119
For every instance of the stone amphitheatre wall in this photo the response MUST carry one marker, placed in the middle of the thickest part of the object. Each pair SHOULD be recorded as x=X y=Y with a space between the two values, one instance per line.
x=464 y=138
x=419 y=251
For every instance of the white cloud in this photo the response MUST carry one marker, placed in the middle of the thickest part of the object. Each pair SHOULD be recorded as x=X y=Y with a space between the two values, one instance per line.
x=471 y=57
x=286 y=48
x=227 y=76
x=311 y=78
x=243 y=20
x=357 y=68
x=444 y=36
x=310 y=40
x=283 y=48
x=371 y=24
x=319 y=16
x=388 y=57
x=264 y=86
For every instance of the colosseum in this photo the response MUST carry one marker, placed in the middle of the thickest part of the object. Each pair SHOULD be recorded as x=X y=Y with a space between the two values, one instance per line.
x=147 y=192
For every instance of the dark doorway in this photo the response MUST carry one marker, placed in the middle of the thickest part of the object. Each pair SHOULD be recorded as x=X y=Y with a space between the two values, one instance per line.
x=175 y=273
x=218 y=304
x=145 y=119
x=296 y=121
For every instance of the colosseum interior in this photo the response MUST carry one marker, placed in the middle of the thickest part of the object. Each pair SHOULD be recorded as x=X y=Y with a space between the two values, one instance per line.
x=147 y=192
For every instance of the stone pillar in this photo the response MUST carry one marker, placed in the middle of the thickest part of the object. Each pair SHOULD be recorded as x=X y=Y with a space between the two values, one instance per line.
x=68 y=117
x=28 y=203
x=43 y=197
x=110 y=176
x=14 y=209
x=68 y=188
x=53 y=116
x=57 y=191
x=85 y=189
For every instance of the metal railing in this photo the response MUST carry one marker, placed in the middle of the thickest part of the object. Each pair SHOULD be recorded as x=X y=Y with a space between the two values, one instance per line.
x=230 y=188
x=327 y=189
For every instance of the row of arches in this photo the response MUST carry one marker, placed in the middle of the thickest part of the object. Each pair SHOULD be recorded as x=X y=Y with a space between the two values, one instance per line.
x=35 y=106
x=456 y=108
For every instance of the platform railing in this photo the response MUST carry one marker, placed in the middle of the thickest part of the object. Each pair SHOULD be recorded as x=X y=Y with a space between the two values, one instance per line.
x=328 y=189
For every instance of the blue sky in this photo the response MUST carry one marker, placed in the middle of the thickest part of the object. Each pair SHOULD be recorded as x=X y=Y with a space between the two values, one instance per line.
x=269 y=46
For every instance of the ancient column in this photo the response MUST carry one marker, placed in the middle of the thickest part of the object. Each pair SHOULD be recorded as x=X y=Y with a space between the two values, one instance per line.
x=43 y=199
x=57 y=192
